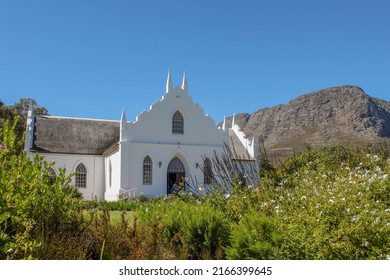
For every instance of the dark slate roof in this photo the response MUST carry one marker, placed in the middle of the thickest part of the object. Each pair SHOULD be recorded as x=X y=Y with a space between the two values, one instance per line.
x=74 y=136
x=237 y=148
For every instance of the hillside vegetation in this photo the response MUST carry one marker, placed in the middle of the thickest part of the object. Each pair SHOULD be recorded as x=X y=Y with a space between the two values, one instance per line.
x=329 y=203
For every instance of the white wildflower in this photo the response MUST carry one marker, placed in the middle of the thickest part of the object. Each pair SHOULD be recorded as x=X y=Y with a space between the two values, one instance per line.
x=365 y=244
x=355 y=218
x=324 y=176
x=303 y=197
x=227 y=195
x=331 y=200
x=10 y=251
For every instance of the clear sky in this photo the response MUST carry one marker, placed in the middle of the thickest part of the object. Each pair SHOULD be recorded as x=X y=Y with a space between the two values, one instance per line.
x=92 y=58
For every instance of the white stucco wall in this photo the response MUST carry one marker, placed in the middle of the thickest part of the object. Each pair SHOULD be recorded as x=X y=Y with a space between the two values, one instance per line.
x=112 y=191
x=151 y=135
x=189 y=155
x=95 y=172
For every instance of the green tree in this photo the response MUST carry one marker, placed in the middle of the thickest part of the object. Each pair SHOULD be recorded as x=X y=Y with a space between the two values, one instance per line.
x=21 y=108
x=10 y=113
x=34 y=209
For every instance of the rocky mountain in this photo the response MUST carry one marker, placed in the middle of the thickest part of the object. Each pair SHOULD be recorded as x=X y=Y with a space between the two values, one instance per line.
x=337 y=115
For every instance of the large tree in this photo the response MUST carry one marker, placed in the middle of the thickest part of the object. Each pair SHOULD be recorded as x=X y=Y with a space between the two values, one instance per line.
x=9 y=113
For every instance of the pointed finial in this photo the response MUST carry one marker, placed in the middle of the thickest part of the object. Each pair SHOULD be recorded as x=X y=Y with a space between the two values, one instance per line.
x=123 y=116
x=169 y=86
x=122 y=127
x=184 y=85
x=224 y=124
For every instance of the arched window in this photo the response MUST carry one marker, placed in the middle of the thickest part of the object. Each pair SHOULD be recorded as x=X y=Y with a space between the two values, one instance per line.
x=177 y=123
x=176 y=166
x=51 y=174
x=147 y=171
x=81 y=176
x=207 y=171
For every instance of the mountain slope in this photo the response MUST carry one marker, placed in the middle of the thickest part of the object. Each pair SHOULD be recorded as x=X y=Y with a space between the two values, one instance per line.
x=337 y=115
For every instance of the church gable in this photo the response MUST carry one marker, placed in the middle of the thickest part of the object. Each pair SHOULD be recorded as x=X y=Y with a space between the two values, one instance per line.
x=175 y=118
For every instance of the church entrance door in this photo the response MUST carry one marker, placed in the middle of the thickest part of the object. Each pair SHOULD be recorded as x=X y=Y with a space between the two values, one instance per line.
x=175 y=175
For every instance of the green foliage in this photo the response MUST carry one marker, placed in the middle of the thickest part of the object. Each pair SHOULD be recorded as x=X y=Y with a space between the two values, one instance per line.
x=256 y=237
x=199 y=231
x=19 y=111
x=333 y=203
x=21 y=108
x=33 y=208
x=330 y=203
x=126 y=239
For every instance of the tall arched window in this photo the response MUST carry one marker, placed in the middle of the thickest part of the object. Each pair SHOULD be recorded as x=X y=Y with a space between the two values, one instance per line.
x=81 y=176
x=51 y=174
x=207 y=171
x=147 y=171
x=177 y=123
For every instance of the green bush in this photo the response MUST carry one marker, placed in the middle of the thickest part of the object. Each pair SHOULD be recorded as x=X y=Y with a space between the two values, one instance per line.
x=197 y=231
x=333 y=203
x=34 y=209
x=255 y=237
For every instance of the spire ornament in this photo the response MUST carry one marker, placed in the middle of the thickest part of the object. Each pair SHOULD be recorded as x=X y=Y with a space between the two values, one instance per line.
x=184 y=85
x=169 y=86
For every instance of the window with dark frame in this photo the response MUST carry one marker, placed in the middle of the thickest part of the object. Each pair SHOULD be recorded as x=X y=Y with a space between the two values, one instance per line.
x=51 y=174
x=81 y=176
x=147 y=171
x=177 y=123
x=208 y=172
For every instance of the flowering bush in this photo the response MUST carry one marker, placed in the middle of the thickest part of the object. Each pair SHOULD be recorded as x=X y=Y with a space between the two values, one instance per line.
x=333 y=204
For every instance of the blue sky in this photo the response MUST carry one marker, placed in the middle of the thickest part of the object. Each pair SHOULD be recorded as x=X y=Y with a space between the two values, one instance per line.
x=90 y=59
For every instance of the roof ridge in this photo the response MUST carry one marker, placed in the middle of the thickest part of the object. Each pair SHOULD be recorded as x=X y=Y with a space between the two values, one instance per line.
x=77 y=118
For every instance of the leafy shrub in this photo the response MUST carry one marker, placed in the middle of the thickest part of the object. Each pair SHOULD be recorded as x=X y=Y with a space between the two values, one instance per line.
x=34 y=209
x=198 y=231
x=256 y=236
x=333 y=203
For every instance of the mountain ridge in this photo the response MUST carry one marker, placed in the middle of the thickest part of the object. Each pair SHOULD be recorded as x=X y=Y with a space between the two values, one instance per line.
x=330 y=116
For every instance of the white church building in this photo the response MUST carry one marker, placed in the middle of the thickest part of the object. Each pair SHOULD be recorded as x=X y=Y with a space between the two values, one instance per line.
x=173 y=140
